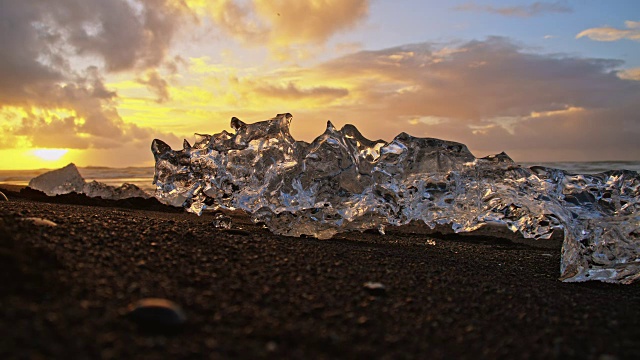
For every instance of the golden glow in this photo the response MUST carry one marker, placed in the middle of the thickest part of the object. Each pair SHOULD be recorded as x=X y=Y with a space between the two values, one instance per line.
x=26 y=159
x=630 y=74
x=50 y=154
x=566 y=111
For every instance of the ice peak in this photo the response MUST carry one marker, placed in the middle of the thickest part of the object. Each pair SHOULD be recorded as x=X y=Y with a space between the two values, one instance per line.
x=343 y=181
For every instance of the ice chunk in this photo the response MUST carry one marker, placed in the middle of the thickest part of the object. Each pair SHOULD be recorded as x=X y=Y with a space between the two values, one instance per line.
x=61 y=181
x=221 y=221
x=344 y=182
x=126 y=190
x=68 y=179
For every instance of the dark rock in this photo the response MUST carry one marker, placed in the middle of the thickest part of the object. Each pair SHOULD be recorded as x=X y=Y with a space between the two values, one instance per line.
x=157 y=315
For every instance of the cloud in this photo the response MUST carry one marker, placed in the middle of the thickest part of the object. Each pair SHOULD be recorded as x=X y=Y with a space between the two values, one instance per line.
x=493 y=95
x=632 y=32
x=630 y=74
x=292 y=91
x=282 y=23
x=124 y=34
x=53 y=60
x=535 y=9
x=157 y=85
x=81 y=114
x=490 y=94
x=297 y=22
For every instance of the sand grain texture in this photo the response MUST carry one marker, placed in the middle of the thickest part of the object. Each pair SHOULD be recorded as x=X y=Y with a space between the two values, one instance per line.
x=67 y=289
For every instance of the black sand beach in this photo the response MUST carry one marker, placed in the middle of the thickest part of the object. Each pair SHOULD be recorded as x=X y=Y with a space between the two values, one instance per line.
x=66 y=290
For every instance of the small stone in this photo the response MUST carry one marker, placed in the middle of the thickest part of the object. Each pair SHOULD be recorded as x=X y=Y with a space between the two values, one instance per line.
x=157 y=315
x=375 y=288
x=271 y=346
x=3 y=197
x=40 y=222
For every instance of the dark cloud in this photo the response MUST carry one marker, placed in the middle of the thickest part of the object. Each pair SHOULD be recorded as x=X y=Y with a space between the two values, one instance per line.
x=174 y=64
x=46 y=44
x=535 y=9
x=94 y=123
x=21 y=60
x=157 y=85
x=123 y=34
x=292 y=91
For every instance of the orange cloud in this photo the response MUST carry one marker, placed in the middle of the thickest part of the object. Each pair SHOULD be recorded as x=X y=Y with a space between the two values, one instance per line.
x=492 y=95
x=612 y=34
x=630 y=74
x=299 y=22
x=282 y=23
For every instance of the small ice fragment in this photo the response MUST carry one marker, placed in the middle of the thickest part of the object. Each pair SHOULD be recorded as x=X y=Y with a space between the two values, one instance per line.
x=68 y=179
x=102 y=190
x=61 y=181
x=40 y=222
x=431 y=242
x=221 y=221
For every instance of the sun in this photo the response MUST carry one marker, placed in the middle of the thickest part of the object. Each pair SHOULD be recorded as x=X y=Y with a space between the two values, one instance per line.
x=50 y=154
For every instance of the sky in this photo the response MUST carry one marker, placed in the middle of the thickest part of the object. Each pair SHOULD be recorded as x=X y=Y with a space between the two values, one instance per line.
x=93 y=82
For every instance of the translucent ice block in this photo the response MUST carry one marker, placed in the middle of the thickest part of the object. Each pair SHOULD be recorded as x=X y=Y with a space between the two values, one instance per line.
x=68 y=179
x=60 y=181
x=344 y=182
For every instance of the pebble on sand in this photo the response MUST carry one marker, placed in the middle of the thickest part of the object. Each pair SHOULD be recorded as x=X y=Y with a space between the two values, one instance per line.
x=3 y=197
x=157 y=315
x=40 y=221
x=375 y=288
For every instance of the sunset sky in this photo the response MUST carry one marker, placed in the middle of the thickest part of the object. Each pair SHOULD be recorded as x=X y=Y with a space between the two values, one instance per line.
x=94 y=82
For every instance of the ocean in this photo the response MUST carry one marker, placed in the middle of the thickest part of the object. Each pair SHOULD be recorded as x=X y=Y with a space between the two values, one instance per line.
x=143 y=176
x=140 y=176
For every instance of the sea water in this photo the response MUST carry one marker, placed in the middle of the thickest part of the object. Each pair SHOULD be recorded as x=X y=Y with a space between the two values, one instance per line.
x=139 y=176
x=143 y=176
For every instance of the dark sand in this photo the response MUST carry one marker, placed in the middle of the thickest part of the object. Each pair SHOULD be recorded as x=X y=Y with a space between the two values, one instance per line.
x=65 y=290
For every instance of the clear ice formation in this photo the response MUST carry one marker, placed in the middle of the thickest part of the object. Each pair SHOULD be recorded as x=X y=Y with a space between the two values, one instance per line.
x=60 y=181
x=68 y=179
x=344 y=182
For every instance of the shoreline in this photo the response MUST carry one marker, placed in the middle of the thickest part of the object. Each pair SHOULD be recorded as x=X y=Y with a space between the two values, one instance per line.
x=253 y=294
